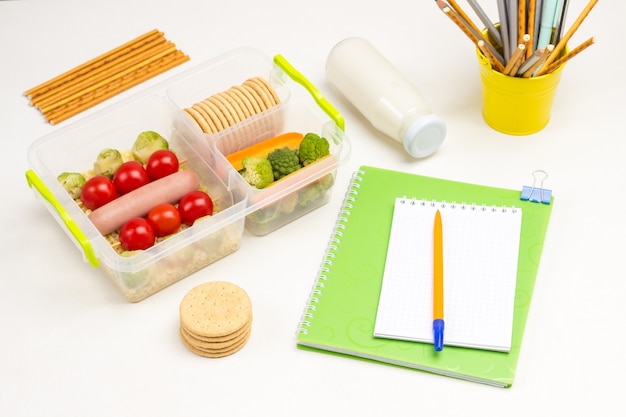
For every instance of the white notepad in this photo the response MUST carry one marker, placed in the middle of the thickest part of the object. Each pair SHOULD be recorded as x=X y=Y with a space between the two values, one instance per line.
x=480 y=254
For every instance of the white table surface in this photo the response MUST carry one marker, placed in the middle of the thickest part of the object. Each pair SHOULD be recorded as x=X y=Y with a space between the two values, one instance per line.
x=71 y=345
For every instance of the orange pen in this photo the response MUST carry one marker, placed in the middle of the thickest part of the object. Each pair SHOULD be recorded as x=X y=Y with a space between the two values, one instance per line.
x=438 y=324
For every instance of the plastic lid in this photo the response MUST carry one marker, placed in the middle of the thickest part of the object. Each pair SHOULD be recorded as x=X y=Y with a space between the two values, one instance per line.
x=424 y=136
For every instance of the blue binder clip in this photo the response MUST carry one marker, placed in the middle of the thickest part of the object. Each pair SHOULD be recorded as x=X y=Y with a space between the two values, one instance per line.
x=534 y=193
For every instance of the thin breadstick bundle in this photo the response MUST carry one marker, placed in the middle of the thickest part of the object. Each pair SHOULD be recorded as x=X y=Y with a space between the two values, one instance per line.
x=105 y=76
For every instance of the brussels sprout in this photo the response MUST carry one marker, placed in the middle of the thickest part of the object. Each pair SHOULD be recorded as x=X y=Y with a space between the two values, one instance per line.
x=146 y=144
x=108 y=161
x=73 y=183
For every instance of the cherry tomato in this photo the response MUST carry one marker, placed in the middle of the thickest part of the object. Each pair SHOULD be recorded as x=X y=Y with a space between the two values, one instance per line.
x=164 y=219
x=194 y=205
x=137 y=234
x=161 y=164
x=98 y=191
x=130 y=176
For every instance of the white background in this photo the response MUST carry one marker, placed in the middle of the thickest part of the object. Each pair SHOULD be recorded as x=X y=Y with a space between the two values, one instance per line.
x=70 y=345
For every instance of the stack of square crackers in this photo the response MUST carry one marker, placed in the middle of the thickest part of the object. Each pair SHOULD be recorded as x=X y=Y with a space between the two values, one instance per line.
x=215 y=319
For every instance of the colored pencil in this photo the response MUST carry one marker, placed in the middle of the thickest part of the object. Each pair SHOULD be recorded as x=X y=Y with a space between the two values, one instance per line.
x=568 y=35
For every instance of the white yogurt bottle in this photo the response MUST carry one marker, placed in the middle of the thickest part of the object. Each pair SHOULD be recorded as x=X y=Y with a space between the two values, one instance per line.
x=391 y=103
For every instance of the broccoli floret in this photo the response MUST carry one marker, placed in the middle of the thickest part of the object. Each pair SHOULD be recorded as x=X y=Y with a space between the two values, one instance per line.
x=315 y=190
x=309 y=195
x=265 y=215
x=284 y=161
x=326 y=182
x=312 y=148
x=257 y=171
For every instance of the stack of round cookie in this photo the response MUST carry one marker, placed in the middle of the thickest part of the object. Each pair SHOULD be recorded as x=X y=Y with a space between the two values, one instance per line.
x=234 y=105
x=215 y=319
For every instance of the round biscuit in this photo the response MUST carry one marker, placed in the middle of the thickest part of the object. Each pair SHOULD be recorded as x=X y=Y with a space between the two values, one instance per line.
x=218 y=339
x=264 y=95
x=262 y=90
x=237 y=103
x=245 y=104
x=216 y=113
x=214 y=353
x=257 y=96
x=269 y=88
x=201 y=344
x=224 y=111
x=212 y=116
x=241 y=134
x=199 y=119
x=195 y=341
x=193 y=119
x=215 y=309
x=207 y=119
x=264 y=123
x=230 y=107
x=253 y=101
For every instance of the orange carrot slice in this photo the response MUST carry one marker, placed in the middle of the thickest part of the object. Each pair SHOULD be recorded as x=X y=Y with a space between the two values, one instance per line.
x=291 y=140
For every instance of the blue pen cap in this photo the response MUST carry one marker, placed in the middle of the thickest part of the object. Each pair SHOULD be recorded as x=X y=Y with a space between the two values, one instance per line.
x=438 y=327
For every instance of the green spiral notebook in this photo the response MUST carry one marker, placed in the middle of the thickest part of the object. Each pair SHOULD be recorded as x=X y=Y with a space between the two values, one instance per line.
x=340 y=313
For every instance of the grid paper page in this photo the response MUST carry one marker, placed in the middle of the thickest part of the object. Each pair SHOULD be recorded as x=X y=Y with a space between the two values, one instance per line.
x=480 y=253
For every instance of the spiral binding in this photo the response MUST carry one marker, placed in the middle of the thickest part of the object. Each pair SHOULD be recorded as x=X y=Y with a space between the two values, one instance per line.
x=333 y=245
x=462 y=206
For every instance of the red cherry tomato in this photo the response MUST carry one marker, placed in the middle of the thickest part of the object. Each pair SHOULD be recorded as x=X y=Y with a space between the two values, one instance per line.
x=98 y=191
x=164 y=219
x=130 y=176
x=136 y=234
x=194 y=205
x=161 y=164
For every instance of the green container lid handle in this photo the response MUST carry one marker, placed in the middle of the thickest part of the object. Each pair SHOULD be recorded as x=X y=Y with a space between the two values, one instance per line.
x=317 y=96
x=35 y=181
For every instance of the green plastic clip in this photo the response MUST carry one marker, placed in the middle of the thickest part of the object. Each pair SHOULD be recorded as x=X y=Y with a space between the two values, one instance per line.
x=35 y=181
x=321 y=101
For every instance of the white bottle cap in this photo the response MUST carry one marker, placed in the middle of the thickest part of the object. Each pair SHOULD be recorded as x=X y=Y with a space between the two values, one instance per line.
x=424 y=136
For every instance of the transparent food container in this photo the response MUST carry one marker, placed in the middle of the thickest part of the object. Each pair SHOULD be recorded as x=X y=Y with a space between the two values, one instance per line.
x=74 y=148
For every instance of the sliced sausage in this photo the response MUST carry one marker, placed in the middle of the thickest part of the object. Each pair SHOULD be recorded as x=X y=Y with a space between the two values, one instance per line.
x=140 y=201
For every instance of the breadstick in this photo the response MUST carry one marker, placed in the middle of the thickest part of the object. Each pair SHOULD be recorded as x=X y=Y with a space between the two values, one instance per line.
x=91 y=88
x=87 y=66
x=83 y=82
x=166 y=63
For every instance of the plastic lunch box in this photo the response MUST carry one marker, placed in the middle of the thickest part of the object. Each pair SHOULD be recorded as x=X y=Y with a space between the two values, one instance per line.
x=74 y=148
